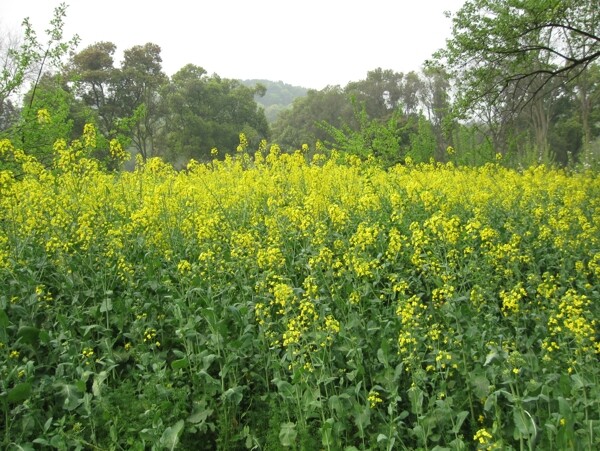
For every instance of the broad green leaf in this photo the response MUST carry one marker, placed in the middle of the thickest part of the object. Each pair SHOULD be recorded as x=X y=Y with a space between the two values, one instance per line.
x=234 y=394
x=170 y=436
x=26 y=447
x=71 y=396
x=29 y=335
x=200 y=416
x=415 y=395
x=381 y=357
x=106 y=305
x=481 y=386
x=285 y=388
x=493 y=355
x=326 y=433
x=460 y=419
x=363 y=418
x=19 y=393
x=287 y=434
x=523 y=423
x=179 y=364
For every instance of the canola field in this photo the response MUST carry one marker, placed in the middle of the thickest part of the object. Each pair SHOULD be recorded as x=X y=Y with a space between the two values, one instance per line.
x=280 y=301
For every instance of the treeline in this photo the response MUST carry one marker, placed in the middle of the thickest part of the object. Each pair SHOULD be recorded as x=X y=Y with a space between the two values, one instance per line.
x=394 y=115
x=517 y=80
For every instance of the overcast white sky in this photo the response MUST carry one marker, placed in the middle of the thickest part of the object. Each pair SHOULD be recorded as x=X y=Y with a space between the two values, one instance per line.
x=310 y=43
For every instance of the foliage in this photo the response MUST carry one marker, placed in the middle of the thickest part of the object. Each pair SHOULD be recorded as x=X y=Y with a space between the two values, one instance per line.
x=270 y=301
x=300 y=124
x=32 y=55
x=521 y=46
x=372 y=138
x=207 y=112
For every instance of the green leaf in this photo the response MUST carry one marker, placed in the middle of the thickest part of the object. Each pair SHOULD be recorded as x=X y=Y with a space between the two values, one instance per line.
x=234 y=395
x=72 y=396
x=287 y=434
x=493 y=355
x=106 y=305
x=523 y=423
x=326 y=433
x=29 y=335
x=481 y=386
x=25 y=447
x=363 y=418
x=97 y=383
x=19 y=393
x=381 y=357
x=460 y=419
x=285 y=388
x=4 y=322
x=170 y=436
x=415 y=395
x=200 y=416
x=179 y=364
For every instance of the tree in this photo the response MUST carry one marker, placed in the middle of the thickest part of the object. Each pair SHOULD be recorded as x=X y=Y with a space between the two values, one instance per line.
x=127 y=100
x=204 y=112
x=380 y=93
x=9 y=44
x=300 y=124
x=434 y=96
x=95 y=76
x=520 y=46
x=29 y=59
x=140 y=82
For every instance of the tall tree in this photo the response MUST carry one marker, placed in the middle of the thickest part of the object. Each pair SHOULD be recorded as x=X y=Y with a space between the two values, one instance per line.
x=380 y=93
x=29 y=59
x=300 y=124
x=140 y=82
x=434 y=96
x=495 y=41
x=95 y=77
x=205 y=112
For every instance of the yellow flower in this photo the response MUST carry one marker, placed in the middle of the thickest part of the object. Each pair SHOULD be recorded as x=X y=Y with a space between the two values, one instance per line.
x=149 y=335
x=374 y=399
x=43 y=116
x=116 y=150
x=243 y=143
x=89 y=136
x=184 y=267
x=482 y=436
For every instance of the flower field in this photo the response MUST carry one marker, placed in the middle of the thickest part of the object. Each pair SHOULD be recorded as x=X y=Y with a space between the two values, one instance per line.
x=273 y=301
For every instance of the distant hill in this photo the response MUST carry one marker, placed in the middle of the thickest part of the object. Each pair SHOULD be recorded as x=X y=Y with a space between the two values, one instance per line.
x=279 y=96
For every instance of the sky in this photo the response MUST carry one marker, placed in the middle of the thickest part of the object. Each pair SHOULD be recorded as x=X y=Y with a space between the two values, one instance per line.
x=309 y=43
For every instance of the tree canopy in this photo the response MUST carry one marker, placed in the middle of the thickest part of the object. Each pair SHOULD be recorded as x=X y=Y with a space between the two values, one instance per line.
x=525 y=47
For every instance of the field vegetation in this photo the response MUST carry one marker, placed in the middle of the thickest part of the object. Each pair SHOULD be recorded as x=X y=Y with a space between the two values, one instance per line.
x=301 y=301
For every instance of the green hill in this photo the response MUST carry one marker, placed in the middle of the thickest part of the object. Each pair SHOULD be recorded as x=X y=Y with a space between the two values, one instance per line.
x=278 y=97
